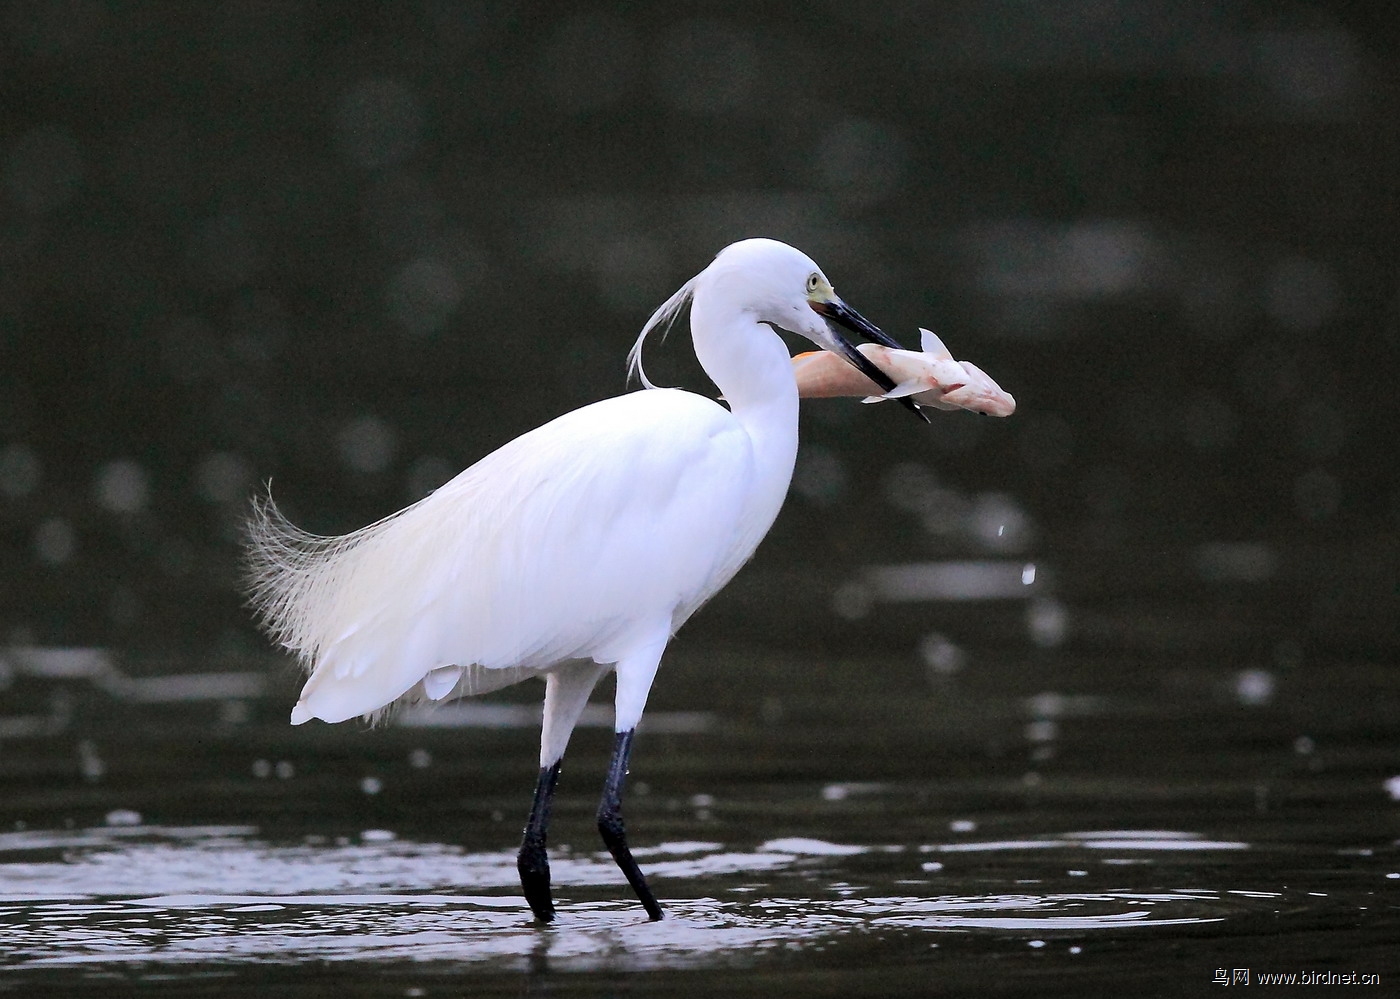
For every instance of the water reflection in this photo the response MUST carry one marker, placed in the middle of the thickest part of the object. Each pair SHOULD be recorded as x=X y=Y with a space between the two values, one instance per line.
x=185 y=895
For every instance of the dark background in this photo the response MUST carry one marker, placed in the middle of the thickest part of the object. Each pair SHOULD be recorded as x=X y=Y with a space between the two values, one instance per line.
x=353 y=247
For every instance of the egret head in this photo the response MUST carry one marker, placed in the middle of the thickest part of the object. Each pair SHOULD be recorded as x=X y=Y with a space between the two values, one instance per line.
x=781 y=287
x=785 y=288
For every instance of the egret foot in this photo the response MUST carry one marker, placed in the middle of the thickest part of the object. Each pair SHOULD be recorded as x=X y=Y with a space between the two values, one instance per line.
x=612 y=829
x=533 y=862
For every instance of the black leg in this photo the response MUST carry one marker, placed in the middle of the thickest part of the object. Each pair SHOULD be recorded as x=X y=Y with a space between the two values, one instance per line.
x=533 y=861
x=610 y=823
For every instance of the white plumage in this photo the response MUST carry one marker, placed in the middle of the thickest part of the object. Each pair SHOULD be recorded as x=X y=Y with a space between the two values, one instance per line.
x=519 y=571
x=578 y=547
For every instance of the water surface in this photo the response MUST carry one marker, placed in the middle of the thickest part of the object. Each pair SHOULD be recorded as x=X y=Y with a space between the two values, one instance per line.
x=964 y=835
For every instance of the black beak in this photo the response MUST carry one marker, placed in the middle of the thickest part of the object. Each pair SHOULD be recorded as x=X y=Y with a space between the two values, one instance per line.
x=839 y=313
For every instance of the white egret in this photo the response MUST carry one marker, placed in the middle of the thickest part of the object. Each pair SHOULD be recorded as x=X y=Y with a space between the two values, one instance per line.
x=576 y=549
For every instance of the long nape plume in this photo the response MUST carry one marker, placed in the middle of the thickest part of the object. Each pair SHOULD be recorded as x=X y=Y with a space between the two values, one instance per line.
x=664 y=317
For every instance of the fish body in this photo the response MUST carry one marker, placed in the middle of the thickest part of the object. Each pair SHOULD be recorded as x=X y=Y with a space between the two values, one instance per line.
x=931 y=377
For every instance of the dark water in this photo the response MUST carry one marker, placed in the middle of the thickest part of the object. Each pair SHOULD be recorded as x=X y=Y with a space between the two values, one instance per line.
x=1101 y=811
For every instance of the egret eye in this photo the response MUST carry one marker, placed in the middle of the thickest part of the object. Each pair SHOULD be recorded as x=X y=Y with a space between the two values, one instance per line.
x=813 y=283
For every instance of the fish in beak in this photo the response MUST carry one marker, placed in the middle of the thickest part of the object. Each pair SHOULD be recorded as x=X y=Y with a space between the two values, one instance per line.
x=840 y=315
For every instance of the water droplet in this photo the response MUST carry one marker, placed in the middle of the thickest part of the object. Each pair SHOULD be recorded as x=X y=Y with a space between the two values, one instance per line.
x=1000 y=523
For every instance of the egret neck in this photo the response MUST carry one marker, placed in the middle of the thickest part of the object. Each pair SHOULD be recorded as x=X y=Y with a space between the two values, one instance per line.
x=749 y=364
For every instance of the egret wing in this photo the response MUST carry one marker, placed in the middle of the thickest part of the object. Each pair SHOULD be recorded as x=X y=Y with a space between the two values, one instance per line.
x=564 y=544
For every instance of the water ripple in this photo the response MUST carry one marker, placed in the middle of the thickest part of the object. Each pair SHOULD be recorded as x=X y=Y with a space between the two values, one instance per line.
x=220 y=894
